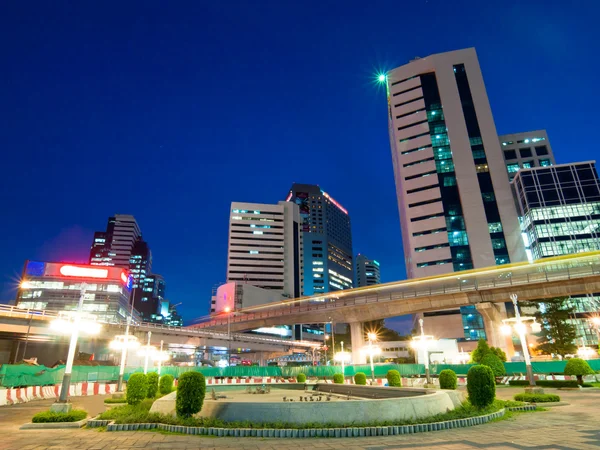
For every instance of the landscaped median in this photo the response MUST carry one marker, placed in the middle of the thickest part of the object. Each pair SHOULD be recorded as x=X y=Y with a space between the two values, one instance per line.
x=50 y=419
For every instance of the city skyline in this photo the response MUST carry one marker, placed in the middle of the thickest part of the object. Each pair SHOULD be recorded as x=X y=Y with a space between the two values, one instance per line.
x=74 y=133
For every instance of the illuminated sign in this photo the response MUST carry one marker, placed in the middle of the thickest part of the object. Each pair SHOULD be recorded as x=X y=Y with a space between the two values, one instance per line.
x=327 y=196
x=289 y=197
x=84 y=272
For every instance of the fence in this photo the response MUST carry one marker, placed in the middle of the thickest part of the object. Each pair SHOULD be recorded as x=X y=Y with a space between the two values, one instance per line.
x=22 y=375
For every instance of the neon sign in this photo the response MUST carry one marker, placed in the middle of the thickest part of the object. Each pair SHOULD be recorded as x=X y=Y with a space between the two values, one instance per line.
x=85 y=272
x=327 y=196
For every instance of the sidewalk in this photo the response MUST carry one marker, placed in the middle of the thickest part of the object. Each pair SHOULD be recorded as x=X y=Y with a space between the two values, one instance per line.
x=572 y=427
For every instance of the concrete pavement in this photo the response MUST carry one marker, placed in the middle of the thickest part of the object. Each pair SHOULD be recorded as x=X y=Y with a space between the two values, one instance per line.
x=575 y=427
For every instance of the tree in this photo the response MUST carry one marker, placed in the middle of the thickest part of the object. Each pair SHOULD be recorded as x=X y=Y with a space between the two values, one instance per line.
x=499 y=353
x=482 y=349
x=579 y=368
x=557 y=335
x=494 y=363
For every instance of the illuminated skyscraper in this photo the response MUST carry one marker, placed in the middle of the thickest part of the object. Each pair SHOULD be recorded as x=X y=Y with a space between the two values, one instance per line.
x=367 y=271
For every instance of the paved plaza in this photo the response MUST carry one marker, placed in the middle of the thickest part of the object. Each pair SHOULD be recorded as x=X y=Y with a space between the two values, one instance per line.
x=575 y=426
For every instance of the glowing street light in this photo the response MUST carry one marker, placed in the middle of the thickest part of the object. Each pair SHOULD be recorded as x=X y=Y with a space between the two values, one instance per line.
x=422 y=342
x=519 y=323
x=228 y=312
x=382 y=78
x=124 y=342
x=73 y=322
x=160 y=356
x=147 y=351
x=342 y=357
x=372 y=351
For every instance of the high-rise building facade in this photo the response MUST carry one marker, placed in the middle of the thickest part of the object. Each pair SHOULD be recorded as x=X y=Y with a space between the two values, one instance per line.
x=327 y=236
x=456 y=207
x=368 y=272
x=559 y=208
x=526 y=150
x=265 y=247
x=113 y=247
x=152 y=296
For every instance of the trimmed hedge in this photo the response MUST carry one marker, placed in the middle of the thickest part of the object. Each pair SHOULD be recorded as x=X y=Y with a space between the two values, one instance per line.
x=137 y=388
x=338 y=378
x=49 y=416
x=393 y=378
x=165 y=386
x=537 y=398
x=549 y=383
x=579 y=368
x=360 y=379
x=481 y=386
x=152 y=379
x=118 y=401
x=190 y=394
x=494 y=363
x=448 y=379
x=301 y=378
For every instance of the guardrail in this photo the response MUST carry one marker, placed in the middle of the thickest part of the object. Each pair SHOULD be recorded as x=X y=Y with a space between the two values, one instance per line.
x=13 y=311
x=551 y=269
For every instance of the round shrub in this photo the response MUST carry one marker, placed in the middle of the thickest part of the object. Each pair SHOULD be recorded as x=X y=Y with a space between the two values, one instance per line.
x=579 y=368
x=137 y=387
x=393 y=378
x=166 y=384
x=481 y=386
x=301 y=378
x=190 y=394
x=360 y=379
x=448 y=379
x=152 y=378
x=338 y=378
x=494 y=363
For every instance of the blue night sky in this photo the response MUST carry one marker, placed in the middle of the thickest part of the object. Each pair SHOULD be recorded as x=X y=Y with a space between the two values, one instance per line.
x=171 y=110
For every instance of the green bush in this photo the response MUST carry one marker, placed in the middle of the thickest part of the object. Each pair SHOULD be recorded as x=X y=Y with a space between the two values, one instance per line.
x=166 y=384
x=190 y=394
x=393 y=378
x=537 y=398
x=549 y=383
x=338 y=378
x=499 y=353
x=579 y=368
x=301 y=378
x=494 y=363
x=448 y=379
x=480 y=351
x=360 y=379
x=152 y=379
x=137 y=387
x=115 y=400
x=49 y=416
x=481 y=386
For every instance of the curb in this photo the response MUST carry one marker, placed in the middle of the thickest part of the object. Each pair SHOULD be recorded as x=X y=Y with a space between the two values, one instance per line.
x=53 y=425
x=310 y=432
x=523 y=408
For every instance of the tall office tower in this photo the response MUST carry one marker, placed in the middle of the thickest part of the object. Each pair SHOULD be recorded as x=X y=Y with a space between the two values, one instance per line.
x=113 y=246
x=526 y=150
x=327 y=240
x=367 y=271
x=455 y=202
x=152 y=296
x=265 y=247
x=560 y=214
x=140 y=266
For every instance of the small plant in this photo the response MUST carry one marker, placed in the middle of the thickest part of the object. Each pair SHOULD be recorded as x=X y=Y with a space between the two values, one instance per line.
x=448 y=379
x=190 y=394
x=481 y=386
x=393 y=378
x=137 y=387
x=115 y=400
x=152 y=379
x=166 y=384
x=338 y=378
x=49 y=416
x=494 y=363
x=537 y=398
x=579 y=368
x=301 y=378
x=360 y=378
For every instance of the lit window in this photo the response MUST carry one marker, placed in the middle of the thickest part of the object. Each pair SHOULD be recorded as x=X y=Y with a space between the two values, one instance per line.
x=253 y=252
x=545 y=162
x=512 y=168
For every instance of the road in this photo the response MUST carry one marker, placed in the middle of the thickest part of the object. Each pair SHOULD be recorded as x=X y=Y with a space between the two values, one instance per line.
x=572 y=427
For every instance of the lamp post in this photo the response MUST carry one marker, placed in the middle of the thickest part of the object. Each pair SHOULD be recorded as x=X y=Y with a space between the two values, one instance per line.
x=342 y=357
x=519 y=323
x=73 y=322
x=161 y=355
x=124 y=342
x=332 y=339
x=228 y=311
x=421 y=342
x=147 y=351
x=372 y=337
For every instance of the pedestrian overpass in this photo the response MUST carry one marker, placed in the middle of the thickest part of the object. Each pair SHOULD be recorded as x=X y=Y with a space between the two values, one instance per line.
x=577 y=274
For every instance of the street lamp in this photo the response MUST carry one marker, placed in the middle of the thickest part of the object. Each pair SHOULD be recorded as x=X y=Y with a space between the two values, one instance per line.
x=124 y=342
x=372 y=350
x=228 y=312
x=73 y=322
x=161 y=356
x=519 y=324
x=147 y=351
x=343 y=357
x=422 y=342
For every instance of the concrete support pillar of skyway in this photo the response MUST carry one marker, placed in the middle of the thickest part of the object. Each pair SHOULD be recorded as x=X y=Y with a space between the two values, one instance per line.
x=493 y=314
x=357 y=336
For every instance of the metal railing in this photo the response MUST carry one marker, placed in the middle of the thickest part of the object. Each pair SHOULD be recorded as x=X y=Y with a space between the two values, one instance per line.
x=541 y=271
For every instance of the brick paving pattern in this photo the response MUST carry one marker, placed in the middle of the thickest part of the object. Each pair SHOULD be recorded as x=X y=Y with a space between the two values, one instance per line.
x=572 y=427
